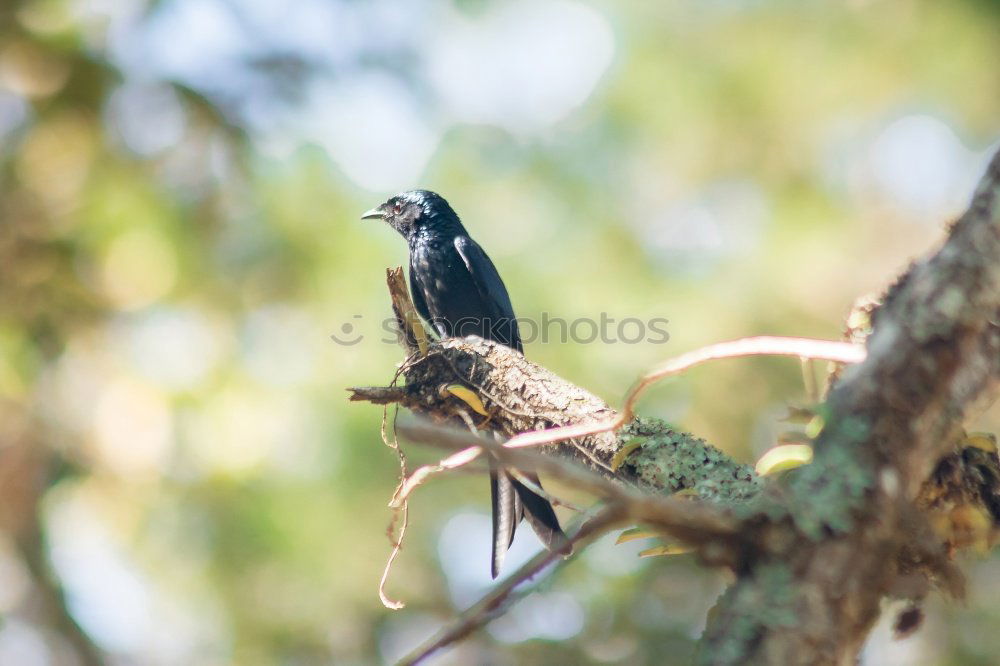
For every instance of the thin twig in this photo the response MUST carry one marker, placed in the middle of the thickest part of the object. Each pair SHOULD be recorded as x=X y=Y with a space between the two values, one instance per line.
x=809 y=380
x=403 y=510
x=421 y=474
x=841 y=352
x=693 y=522
x=501 y=596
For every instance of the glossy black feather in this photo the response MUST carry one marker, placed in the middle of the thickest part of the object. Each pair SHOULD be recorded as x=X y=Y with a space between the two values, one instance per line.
x=457 y=289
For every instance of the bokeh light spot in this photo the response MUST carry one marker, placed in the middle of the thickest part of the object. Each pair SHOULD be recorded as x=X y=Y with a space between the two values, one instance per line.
x=132 y=432
x=139 y=268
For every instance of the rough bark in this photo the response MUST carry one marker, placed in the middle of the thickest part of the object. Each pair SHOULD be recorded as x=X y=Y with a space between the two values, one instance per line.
x=933 y=353
x=522 y=396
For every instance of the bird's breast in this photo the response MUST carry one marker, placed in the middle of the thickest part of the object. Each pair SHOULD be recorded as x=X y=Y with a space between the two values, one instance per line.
x=454 y=303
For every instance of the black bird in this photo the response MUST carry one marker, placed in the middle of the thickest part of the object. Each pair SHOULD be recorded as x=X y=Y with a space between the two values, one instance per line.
x=456 y=288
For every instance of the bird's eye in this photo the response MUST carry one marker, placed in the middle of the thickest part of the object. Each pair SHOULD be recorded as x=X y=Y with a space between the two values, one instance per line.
x=397 y=208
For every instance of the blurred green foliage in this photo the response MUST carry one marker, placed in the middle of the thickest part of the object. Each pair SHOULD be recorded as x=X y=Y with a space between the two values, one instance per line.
x=174 y=260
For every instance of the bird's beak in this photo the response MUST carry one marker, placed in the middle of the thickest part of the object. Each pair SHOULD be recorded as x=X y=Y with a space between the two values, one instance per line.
x=373 y=214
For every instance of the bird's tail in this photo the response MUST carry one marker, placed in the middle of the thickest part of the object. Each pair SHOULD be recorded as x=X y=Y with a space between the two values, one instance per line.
x=512 y=500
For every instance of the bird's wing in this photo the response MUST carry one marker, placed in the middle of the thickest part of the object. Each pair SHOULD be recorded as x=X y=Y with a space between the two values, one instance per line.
x=491 y=288
x=417 y=296
x=540 y=514
x=511 y=498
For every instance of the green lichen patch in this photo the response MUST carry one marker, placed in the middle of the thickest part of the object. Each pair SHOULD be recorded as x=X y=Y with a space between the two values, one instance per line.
x=765 y=602
x=830 y=492
x=676 y=461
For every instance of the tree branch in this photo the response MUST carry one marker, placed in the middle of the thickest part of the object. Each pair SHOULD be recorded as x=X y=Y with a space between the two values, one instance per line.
x=521 y=396
x=501 y=597
x=691 y=521
x=934 y=351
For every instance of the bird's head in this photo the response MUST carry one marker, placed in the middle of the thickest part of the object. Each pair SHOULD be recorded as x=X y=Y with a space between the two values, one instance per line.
x=412 y=211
